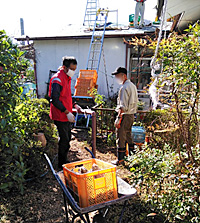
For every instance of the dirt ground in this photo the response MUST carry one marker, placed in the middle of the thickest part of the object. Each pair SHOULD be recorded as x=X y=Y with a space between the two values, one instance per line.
x=43 y=201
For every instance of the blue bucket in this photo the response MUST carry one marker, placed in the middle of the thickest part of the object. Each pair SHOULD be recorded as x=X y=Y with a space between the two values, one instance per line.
x=138 y=134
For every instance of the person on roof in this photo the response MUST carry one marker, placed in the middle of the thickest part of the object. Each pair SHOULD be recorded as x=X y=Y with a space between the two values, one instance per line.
x=159 y=7
x=126 y=108
x=61 y=105
x=139 y=9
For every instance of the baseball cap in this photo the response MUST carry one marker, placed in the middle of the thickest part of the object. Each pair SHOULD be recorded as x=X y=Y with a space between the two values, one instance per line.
x=120 y=70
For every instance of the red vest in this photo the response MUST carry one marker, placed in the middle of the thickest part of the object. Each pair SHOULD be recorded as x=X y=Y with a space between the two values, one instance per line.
x=65 y=96
x=139 y=0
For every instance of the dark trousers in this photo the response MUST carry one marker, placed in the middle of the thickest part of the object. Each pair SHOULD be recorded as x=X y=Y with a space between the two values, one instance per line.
x=124 y=136
x=124 y=132
x=64 y=130
x=160 y=7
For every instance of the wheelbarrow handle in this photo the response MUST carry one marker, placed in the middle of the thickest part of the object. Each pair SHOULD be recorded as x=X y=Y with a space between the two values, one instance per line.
x=50 y=164
x=93 y=156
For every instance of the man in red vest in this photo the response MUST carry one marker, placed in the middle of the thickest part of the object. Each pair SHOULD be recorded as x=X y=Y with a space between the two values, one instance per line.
x=61 y=105
x=139 y=9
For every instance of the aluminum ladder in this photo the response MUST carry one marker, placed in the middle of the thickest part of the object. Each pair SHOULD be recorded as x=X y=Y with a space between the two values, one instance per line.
x=96 y=44
x=90 y=13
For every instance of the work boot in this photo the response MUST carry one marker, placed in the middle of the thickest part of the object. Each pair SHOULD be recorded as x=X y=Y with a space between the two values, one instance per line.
x=121 y=153
x=131 y=149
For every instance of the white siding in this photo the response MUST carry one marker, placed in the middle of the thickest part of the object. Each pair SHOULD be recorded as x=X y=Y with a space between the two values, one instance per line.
x=50 y=52
x=190 y=10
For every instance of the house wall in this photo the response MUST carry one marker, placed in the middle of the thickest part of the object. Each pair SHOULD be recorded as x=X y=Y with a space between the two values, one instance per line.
x=50 y=52
x=190 y=10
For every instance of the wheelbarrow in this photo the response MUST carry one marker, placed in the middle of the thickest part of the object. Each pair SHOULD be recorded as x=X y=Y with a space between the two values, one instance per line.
x=78 y=214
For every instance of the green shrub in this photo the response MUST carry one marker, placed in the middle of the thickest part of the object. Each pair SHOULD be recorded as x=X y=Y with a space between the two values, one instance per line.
x=98 y=98
x=19 y=119
x=160 y=119
x=33 y=117
x=167 y=172
x=181 y=70
x=12 y=63
x=167 y=185
x=161 y=126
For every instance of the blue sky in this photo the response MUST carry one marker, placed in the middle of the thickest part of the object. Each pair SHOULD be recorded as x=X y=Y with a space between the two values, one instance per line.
x=40 y=16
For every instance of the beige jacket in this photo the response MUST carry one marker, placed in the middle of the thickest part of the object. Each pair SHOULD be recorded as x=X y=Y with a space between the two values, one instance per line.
x=128 y=98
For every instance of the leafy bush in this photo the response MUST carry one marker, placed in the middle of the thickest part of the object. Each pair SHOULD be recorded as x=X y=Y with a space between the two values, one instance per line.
x=98 y=98
x=162 y=127
x=181 y=70
x=167 y=172
x=19 y=119
x=33 y=117
x=12 y=63
x=29 y=75
x=169 y=186
x=159 y=119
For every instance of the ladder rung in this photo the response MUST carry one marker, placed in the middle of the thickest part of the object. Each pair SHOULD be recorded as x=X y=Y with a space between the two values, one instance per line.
x=98 y=47
x=91 y=11
x=95 y=53
x=95 y=50
x=97 y=39
x=95 y=43
x=90 y=14
x=97 y=36
x=89 y=20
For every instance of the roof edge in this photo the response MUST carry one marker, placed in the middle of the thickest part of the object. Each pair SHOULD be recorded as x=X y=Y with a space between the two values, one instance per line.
x=79 y=37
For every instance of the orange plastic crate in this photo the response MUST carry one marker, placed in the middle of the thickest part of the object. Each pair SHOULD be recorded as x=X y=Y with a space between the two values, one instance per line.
x=80 y=82
x=88 y=74
x=81 y=91
x=94 y=187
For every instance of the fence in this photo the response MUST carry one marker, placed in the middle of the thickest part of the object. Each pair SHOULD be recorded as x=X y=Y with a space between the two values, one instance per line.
x=103 y=122
x=105 y=118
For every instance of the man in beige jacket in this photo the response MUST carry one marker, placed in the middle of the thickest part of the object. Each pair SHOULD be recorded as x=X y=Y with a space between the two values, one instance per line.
x=126 y=108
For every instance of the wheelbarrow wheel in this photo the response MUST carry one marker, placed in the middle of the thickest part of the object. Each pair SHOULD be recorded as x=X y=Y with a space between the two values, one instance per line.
x=98 y=218
x=77 y=219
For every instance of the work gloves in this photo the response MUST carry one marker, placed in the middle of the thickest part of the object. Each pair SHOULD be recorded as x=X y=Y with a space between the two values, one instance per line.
x=71 y=117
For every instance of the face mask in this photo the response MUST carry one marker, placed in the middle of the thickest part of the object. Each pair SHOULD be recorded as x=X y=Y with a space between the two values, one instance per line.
x=119 y=81
x=70 y=73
